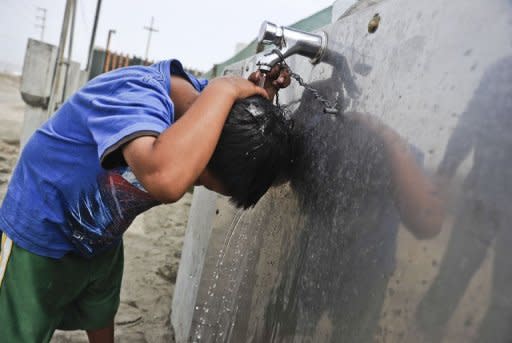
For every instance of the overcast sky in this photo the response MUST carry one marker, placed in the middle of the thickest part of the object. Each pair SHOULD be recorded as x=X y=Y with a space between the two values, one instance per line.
x=199 y=33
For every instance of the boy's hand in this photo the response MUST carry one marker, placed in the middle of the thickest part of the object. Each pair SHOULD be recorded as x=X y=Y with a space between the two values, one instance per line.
x=238 y=87
x=277 y=78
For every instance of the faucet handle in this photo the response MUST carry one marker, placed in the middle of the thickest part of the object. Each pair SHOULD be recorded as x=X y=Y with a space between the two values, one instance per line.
x=269 y=34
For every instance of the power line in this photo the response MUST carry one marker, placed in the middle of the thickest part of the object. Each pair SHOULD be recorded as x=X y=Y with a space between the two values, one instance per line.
x=150 y=29
x=41 y=19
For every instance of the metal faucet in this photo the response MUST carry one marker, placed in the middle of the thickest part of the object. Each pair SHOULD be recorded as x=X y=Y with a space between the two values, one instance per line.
x=289 y=42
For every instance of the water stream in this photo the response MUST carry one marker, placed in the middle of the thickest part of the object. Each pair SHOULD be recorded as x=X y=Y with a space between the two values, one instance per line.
x=219 y=300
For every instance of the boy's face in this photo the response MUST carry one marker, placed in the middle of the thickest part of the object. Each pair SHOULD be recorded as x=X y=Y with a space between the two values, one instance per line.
x=209 y=181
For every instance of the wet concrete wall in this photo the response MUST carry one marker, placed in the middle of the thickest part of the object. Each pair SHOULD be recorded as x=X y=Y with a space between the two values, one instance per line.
x=395 y=224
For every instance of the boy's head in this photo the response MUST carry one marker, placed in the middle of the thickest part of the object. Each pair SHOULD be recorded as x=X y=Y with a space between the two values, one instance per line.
x=254 y=149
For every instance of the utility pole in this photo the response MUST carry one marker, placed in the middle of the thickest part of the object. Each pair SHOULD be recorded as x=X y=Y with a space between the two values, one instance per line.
x=150 y=29
x=109 y=37
x=93 y=37
x=106 y=62
x=66 y=21
x=70 y=51
x=41 y=16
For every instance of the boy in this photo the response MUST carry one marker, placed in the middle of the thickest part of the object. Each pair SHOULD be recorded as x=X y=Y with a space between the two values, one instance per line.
x=127 y=141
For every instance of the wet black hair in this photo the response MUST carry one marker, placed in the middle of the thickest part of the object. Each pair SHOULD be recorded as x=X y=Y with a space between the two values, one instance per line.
x=254 y=150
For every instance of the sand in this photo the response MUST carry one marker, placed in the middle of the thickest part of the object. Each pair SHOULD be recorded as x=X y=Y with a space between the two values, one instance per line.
x=152 y=244
x=11 y=118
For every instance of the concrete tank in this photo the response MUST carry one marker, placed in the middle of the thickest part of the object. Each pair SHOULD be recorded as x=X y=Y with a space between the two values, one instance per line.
x=349 y=250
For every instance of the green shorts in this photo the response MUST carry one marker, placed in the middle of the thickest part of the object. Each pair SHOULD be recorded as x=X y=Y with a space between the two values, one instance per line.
x=40 y=294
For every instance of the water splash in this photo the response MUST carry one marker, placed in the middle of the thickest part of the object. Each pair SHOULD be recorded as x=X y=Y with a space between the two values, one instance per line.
x=263 y=78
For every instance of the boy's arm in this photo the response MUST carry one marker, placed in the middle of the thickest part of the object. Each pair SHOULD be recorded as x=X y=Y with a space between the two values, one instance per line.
x=169 y=164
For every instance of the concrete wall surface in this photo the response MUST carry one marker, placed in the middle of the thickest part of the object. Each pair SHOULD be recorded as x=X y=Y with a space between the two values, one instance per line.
x=395 y=224
x=38 y=69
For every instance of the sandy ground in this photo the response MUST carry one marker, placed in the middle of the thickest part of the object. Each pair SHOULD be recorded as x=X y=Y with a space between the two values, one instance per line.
x=152 y=244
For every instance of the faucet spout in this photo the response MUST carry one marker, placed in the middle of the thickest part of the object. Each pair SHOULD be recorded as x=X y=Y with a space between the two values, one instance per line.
x=289 y=42
x=269 y=60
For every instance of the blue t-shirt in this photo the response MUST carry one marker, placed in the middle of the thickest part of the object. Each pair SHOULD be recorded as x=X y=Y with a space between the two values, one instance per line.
x=71 y=189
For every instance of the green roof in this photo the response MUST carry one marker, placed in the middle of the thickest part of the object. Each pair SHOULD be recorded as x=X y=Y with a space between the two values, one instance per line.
x=310 y=23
